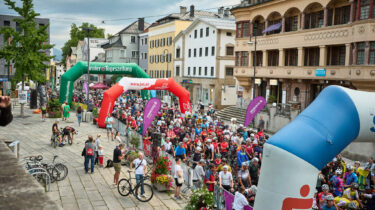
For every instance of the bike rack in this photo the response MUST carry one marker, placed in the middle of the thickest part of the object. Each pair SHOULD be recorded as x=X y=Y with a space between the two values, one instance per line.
x=43 y=172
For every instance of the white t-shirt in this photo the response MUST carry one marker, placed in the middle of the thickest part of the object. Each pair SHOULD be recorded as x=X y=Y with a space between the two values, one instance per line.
x=239 y=202
x=226 y=178
x=176 y=169
x=167 y=146
x=142 y=164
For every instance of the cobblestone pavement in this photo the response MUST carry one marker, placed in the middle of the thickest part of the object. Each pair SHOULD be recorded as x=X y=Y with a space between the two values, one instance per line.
x=78 y=190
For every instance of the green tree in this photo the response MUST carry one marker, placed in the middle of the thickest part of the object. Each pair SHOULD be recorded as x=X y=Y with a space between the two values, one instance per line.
x=27 y=48
x=76 y=34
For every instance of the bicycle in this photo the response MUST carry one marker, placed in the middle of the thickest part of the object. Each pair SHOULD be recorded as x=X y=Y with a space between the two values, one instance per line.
x=55 y=139
x=125 y=187
x=57 y=172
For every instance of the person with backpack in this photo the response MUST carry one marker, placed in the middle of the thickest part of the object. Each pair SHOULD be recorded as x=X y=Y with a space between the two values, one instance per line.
x=90 y=155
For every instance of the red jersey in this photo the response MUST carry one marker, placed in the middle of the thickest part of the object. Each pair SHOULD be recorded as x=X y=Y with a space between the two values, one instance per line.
x=224 y=146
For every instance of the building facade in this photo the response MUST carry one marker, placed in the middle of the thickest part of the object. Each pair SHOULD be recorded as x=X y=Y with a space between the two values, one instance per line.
x=143 y=50
x=316 y=44
x=161 y=35
x=6 y=70
x=204 y=61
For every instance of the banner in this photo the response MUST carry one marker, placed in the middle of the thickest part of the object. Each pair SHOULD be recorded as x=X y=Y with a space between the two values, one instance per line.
x=86 y=87
x=254 y=107
x=22 y=97
x=151 y=109
x=229 y=199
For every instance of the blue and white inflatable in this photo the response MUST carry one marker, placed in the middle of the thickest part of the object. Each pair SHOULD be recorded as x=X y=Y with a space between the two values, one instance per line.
x=293 y=156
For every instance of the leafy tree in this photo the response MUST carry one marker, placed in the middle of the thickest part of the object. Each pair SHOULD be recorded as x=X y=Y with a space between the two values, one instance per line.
x=27 y=48
x=76 y=34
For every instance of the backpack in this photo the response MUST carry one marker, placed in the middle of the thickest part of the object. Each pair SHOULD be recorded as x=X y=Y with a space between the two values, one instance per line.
x=89 y=152
x=109 y=164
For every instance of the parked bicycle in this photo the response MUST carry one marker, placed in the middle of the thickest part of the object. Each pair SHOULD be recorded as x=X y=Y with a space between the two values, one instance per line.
x=56 y=171
x=125 y=187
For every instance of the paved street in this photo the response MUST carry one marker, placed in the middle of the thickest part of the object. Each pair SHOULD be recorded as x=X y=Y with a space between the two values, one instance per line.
x=78 y=190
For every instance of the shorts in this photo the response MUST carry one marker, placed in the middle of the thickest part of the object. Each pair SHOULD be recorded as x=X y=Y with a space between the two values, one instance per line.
x=109 y=129
x=117 y=166
x=44 y=111
x=177 y=184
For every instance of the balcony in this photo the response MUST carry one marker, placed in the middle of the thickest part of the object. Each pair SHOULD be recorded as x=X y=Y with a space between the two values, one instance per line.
x=358 y=31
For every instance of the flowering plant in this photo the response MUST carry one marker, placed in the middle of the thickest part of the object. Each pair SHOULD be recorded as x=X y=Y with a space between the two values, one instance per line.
x=160 y=172
x=201 y=199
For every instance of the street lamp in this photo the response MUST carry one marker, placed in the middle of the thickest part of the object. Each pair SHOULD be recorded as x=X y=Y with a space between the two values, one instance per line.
x=254 y=60
x=166 y=61
x=88 y=29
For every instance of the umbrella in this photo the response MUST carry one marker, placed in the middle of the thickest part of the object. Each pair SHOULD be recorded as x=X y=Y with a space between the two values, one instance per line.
x=99 y=86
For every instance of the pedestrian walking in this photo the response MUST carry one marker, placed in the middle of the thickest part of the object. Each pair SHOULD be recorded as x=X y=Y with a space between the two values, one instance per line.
x=101 y=155
x=79 y=115
x=117 y=156
x=44 y=112
x=108 y=124
x=90 y=155
x=179 y=178
x=140 y=165
x=66 y=111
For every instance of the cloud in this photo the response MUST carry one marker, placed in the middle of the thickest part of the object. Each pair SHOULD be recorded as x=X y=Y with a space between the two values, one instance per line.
x=116 y=14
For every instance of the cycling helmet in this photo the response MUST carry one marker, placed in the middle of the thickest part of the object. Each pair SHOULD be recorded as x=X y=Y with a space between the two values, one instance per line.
x=330 y=198
x=338 y=171
x=186 y=139
x=254 y=189
x=255 y=160
x=224 y=160
x=349 y=167
x=198 y=148
x=354 y=185
x=244 y=164
x=325 y=187
x=352 y=205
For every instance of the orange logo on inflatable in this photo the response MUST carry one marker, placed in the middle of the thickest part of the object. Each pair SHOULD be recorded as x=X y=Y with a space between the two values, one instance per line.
x=299 y=203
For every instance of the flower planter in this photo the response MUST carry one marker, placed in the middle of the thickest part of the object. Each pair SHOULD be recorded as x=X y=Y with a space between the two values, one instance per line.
x=160 y=187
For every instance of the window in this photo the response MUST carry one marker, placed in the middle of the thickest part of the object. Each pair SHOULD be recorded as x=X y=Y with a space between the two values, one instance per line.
x=365 y=9
x=273 y=22
x=41 y=25
x=145 y=41
x=162 y=74
x=228 y=71
x=229 y=33
x=157 y=74
x=188 y=73
x=156 y=58
x=151 y=59
x=170 y=40
x=178 y=52
x=6 y=23
x=312 y=56
x=230 y=50
x=244 y=58
x=189 y=53
x=205 y=71
x=194 y=71
x=195 y=34
x=162 y=42
x=336 y=55
x=291 y=23
x=201 y=34
x=135 y=54
x=157 y=43
x=291 y=56
x=132 y=39
x=342 y=15
x=242 y=29
x=152 y=44
x=151 y=73
x=314 y=20
x=206 y=51
x=177 y=70
x=18 y=28
x=142 y=42
x=162 y=58
x=213 y=51
x=122 y=53
x=237 y=58
x=258 y=28
x=200 y=71
x=195 y=52
x=207 y=31
x=212 y=71
x=200 y=52
x=372 y=53
x=361 y=53
x=170 y=57
x=273 y=58
x=145 y=56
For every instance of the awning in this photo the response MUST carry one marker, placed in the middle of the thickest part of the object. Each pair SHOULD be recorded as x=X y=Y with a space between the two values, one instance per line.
x=273 y=27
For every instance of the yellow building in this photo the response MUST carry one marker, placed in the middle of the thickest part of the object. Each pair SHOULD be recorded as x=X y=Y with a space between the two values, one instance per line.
x=161 y=35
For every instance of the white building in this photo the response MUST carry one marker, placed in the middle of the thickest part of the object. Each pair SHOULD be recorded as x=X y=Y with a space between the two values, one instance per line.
x=204 y=61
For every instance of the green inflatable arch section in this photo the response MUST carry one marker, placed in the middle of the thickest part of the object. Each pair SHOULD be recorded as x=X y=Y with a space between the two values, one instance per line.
x=80 y=68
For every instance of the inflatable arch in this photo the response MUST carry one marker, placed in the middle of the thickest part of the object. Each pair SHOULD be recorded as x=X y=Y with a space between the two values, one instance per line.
x=80 y=68
x=126 y=83
x=293 y=157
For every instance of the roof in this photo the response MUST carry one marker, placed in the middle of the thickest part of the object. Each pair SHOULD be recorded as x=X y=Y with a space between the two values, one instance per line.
x=117 y=43
x=245 y=4
x=185 y=16
x=132 y=28
x=223 y=24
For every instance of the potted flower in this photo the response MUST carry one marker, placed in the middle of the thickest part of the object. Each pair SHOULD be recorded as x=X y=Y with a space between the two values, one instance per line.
x=160 y=177
x=201 y=199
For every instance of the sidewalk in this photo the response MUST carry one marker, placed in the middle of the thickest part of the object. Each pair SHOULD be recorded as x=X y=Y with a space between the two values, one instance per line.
x=78 y=190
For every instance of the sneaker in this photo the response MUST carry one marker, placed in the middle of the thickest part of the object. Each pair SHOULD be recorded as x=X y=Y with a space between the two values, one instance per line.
x=61 y=145
x=144 y=195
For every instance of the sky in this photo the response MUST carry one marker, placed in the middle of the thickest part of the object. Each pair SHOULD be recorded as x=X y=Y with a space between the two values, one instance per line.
x=112 y=15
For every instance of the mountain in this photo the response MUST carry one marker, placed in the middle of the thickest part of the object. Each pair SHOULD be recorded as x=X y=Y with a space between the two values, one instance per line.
x=57 y=53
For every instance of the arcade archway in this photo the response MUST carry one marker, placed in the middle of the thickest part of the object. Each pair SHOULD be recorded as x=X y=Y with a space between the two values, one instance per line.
x=126 y=83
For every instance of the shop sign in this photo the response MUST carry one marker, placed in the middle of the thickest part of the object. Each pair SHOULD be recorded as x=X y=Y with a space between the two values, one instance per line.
x=320 y=72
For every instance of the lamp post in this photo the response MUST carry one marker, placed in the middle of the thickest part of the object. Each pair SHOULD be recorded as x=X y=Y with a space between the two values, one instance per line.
x=166 y=61
x=254 y=65
x=88 y=29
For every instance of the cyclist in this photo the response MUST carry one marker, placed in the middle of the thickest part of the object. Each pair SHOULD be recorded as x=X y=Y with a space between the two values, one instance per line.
x=67 y=131
x=55 y=130
x=140 y=165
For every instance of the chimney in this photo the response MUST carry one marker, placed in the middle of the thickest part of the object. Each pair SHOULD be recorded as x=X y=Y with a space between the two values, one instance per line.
x=141 y=24
x=226 y=12
x=192 y=11
x=182 y=10
x=220 y=11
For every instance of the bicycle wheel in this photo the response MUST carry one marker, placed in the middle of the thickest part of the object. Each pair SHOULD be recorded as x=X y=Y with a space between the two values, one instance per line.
x=124 y=187
x=55 y=142
x=59 y=172
x=70 y=141
x=148 y=192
